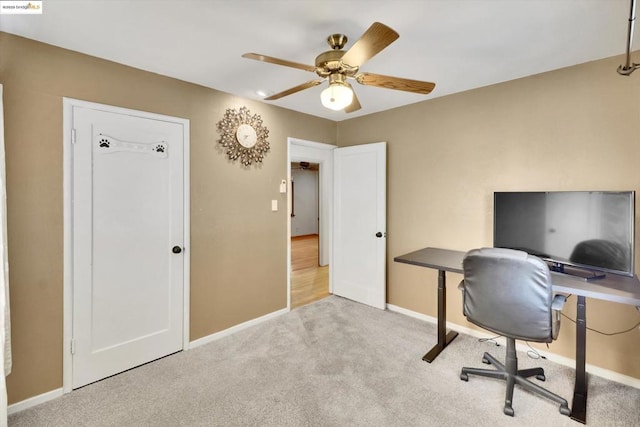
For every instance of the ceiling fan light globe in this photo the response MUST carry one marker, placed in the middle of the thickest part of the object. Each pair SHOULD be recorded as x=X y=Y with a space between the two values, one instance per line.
x=337 y=96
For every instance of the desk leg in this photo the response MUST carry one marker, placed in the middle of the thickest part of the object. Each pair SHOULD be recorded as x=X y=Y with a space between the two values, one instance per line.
x=579 y=406
x=443 y=338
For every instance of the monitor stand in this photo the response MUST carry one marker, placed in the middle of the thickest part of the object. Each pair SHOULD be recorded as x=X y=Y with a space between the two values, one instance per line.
x=582 y=273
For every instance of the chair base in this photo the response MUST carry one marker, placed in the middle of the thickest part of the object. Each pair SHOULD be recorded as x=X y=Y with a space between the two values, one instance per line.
x=513 y=376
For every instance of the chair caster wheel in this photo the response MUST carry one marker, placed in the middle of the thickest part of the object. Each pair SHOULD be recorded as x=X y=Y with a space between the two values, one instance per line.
x=564 y=410
x=541 y=377
x=508 y=410
x=485 y=361
x=464 y=377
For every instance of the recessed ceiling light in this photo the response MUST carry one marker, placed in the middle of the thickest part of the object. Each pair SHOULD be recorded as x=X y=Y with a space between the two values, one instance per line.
x=261 y=93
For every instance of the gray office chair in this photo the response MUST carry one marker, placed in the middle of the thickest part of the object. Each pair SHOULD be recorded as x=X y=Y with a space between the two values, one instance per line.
x=509 y=293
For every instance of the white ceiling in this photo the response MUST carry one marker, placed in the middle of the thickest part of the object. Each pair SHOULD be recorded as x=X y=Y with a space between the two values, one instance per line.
x=458 y=44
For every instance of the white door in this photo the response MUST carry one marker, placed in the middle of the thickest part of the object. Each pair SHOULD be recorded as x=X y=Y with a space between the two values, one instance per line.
x=358 y=264
x=128 y=213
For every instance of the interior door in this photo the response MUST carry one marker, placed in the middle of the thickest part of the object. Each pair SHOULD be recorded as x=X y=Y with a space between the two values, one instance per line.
x=358 y=265
x=128 y=236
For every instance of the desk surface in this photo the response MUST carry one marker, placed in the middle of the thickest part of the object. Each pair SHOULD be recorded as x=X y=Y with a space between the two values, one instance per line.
x=613 y=287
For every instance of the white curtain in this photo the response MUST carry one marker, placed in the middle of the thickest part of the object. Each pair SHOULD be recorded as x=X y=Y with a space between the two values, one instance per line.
x=5 y=327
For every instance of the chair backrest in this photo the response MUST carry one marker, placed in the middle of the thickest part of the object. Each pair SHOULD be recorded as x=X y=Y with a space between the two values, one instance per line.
x=508 y=292
x=601 y=253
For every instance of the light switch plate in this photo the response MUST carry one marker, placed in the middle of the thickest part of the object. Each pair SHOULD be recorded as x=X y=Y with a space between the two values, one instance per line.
x=274 y=205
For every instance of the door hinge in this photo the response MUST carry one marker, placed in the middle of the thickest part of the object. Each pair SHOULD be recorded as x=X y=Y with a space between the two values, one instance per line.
x=73 y=136
x=73 y=346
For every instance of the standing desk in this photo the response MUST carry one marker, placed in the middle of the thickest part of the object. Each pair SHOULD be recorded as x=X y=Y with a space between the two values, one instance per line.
x=613 y=287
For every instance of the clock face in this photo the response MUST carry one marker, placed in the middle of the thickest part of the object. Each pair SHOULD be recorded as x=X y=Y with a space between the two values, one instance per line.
x=246 y=135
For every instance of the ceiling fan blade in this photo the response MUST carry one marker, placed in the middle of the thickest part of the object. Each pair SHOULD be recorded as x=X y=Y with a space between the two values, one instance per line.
x=272 y=60
x=376 y=38
x=397 y=83
x=354 y=106
x=295 y=89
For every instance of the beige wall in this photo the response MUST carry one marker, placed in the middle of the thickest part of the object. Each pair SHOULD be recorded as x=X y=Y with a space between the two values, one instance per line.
x=238 y=246
x=572 y=129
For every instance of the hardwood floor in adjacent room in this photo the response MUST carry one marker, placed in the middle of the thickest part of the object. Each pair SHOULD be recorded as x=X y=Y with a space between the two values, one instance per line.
x=309 y=281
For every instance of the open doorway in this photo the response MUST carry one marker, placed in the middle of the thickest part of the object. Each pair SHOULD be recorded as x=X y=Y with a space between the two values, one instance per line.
x=315 y=249
x=309 y=280
x=357 y=255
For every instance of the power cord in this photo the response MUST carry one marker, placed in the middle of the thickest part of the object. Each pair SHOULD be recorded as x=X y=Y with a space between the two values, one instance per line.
x=492 y=339
x=533 y=353
x=609 y=334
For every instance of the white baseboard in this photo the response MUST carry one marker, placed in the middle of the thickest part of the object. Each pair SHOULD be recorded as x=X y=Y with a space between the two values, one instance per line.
x=562 y=360
x=216 y=336
x=33 y=401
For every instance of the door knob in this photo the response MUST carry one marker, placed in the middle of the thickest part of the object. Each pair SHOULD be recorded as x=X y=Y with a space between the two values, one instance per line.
x=176 y=249
x=378 y=234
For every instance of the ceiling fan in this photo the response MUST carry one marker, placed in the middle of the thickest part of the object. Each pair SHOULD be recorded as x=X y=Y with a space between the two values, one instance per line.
x=337 y=66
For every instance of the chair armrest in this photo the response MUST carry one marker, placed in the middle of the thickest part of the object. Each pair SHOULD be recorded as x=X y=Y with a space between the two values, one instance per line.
x=461 y=288
x=558 y=302
x=556 y=307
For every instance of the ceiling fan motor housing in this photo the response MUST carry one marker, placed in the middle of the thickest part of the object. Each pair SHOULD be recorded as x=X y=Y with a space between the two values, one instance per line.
x=330 y=62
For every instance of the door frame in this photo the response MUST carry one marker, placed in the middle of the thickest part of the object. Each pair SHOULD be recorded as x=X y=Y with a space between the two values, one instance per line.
x=68 y=105
x=316 y=152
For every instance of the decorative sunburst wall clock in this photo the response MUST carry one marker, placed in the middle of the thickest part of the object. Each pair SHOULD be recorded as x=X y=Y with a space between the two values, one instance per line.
x=243 y=136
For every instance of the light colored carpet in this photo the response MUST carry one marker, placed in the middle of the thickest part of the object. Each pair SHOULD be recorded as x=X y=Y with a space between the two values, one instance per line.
x=331 y=363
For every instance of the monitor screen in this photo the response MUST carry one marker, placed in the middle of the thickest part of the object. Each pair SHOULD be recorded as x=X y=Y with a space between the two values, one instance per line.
x=587 y=229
